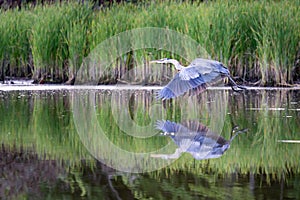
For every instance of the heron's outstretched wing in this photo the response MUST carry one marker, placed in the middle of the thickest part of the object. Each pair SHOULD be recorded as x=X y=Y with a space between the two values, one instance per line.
x=170 y=127
x=183 y=82
x=202 y=131
x=186 y=126
x=195 y=126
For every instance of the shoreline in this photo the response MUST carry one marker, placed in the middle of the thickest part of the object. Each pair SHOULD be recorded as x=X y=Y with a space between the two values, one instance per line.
x=4 y=87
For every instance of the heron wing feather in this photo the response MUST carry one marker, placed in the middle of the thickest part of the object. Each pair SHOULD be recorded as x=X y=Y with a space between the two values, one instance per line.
x=210 y=71
x=170 y=127
x=189 y=73
x=205 y=66
x=178 y=86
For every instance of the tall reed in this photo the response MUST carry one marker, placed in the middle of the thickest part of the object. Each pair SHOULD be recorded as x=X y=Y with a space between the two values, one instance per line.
x=77 y=31
x=49 y=49
x=278 y=40
x=14 y=32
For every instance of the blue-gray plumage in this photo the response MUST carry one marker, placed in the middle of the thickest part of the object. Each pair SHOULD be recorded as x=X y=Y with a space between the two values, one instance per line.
x=194 y=138
x=194 y=78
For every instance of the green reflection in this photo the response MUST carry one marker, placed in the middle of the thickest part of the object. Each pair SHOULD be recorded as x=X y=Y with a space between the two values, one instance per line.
x=42 y=122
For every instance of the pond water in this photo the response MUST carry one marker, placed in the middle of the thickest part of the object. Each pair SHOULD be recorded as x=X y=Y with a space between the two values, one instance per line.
x=123 y=143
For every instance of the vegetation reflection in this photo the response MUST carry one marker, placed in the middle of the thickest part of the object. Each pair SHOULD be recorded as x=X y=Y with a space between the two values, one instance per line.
x=46 y=131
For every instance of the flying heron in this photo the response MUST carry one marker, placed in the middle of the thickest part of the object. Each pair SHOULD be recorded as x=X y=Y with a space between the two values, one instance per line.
x=194 y=78
x=194 y=138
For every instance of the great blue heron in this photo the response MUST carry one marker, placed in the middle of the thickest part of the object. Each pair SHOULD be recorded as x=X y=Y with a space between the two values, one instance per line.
x=194 y=78
x=194 y=138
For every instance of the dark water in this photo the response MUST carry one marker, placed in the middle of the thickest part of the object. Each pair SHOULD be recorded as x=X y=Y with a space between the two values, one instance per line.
x=103 y=144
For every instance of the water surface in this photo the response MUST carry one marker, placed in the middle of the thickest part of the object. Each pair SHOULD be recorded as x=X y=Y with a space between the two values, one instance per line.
x=51 y=145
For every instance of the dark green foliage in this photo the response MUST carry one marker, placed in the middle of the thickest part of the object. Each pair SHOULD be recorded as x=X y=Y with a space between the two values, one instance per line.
x=258 y=40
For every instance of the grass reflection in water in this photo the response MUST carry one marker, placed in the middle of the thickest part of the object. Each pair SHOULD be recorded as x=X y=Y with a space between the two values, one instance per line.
x=42 y=124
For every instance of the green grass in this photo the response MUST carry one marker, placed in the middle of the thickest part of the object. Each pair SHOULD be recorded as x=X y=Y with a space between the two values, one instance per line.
x=61 y=44
x=15 y=47
x=258 y=40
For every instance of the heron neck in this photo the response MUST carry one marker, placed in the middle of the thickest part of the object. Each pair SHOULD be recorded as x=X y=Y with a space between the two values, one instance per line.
x=177 y=65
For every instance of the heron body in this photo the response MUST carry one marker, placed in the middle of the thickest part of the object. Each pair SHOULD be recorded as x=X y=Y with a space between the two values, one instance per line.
x=194 y=78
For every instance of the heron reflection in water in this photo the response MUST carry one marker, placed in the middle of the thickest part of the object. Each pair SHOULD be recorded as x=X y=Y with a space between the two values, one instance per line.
x=194 y=78
x=194 y=138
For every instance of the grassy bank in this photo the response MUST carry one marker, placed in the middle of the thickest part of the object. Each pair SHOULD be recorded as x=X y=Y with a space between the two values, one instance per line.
x=257 y=40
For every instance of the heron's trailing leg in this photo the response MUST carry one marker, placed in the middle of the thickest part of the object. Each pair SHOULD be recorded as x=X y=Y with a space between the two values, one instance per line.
x=234 y=85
